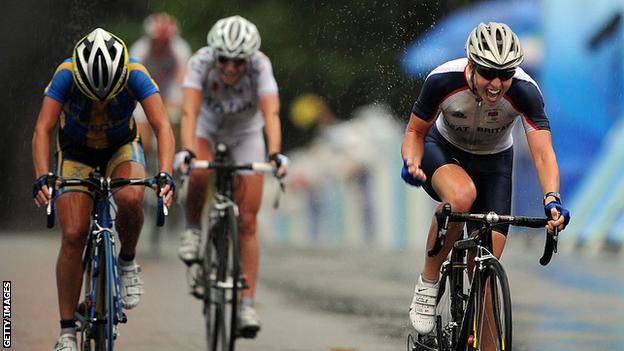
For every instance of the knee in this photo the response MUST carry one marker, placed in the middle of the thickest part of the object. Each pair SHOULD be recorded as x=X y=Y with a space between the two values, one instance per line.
x=130 y=202
x=248 y=224
x=461 y=199
x=74 y=238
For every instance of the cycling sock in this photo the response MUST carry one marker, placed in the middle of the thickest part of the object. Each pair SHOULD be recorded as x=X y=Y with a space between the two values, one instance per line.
x=247 y=301
x=68 y=327
x=125 y=260
x=428 y=281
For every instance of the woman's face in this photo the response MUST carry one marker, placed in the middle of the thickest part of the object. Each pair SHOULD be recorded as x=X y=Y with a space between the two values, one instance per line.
x=492 y=84
x=231 y=70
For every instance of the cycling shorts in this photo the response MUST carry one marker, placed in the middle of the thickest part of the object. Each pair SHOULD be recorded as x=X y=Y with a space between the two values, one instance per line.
x=74 y=161
x=243 y=148
x=491 y=174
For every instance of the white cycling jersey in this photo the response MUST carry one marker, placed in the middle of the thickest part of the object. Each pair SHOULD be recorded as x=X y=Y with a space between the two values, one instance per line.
x=230 y=110
x=470 y=124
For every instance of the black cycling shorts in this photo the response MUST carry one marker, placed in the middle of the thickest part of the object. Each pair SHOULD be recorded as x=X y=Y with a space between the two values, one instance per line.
x=491 y=174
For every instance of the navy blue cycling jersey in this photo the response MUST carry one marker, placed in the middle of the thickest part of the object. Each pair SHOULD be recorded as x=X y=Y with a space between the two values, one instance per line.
x=470 y=124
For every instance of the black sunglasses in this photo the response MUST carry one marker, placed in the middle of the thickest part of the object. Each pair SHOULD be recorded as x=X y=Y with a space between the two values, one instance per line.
x=491 y=74
x=237 y=62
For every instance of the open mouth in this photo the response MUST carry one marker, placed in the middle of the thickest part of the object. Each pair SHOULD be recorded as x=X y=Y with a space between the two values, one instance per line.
x=492 y=94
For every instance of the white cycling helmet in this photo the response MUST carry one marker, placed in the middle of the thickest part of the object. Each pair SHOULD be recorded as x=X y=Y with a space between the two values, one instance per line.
x=494 y=45
x=100 y=65
x=234 y=37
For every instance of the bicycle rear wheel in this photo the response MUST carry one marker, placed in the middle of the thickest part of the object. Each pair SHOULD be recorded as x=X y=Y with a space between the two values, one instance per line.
x=491 y=323
x=221 y=272
x=451 y=303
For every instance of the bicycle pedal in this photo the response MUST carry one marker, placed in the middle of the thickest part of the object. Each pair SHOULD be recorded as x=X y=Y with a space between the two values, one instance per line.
x=465 y=244
x=123 y=319
x=248 y=332
x=426 y=343
x=189 y=263
x=422 y=343
x=242 y=282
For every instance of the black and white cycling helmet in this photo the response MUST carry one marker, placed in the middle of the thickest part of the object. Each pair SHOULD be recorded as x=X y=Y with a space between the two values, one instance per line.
x=100 y=65
x=234 y=37
x=494 y=45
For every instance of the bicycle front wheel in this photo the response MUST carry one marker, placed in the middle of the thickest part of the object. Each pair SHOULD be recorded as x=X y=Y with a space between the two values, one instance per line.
x=102 y=329
x=105 y=305
x=221 y=267
x=491 y=326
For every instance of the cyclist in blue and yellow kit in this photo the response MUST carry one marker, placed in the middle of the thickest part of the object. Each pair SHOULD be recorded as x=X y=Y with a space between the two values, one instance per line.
x=91 y=97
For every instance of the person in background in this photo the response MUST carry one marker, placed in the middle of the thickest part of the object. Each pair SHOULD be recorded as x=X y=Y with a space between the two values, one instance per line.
x=231 y=97
x=164 y=53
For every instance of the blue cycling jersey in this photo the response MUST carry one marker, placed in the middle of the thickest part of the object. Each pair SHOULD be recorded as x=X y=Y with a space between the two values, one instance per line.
x=94 y=124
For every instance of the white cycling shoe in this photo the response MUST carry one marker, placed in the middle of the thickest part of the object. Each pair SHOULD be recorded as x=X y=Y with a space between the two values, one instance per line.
x=189 y=246
x=131 y=284
x=66 y=342
x=248 y=322
x=422 y=308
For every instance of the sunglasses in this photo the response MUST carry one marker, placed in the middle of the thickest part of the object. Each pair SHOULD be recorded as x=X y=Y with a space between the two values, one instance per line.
x=237 y=62
x=491 y=74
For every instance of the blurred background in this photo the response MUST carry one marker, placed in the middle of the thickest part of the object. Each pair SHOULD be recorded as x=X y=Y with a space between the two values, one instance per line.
x=349 y=72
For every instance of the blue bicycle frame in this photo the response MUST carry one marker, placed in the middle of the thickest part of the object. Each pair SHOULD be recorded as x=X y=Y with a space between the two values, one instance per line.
x=99 y=263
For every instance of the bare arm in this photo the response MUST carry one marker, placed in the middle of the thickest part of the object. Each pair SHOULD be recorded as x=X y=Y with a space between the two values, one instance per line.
x=540 y=144
x=413 y=145
x=46 y=122
x=157 y=117
x=270 y=105
x=545 y=161
x=190 y=111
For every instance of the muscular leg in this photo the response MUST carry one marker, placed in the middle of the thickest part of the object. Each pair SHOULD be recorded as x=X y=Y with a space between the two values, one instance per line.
x=129 y=202
x=198 y=185
x=453 y=185
x=73 y=210
x=248 y=196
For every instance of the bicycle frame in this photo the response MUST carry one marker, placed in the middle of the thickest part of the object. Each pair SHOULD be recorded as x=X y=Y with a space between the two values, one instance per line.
x=102 y=236
x=456 y=334
x=99 y=262
x=221 y=267
x=482 y=245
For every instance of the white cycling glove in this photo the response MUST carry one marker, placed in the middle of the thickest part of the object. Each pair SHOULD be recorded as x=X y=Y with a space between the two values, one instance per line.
x=182 y=159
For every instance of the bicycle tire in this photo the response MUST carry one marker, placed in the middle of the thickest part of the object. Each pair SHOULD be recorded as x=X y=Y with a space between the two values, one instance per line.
x=221 y=271
x=98 y=329
x=103 y=331
x=450 y=305
x=209 y=267
x=234 y=272
x=110 y=292
x=493 y=288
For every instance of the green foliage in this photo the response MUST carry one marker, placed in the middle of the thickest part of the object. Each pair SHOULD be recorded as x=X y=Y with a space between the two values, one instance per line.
x=348 y=51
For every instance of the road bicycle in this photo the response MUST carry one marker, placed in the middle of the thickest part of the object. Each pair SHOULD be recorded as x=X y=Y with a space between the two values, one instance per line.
x=101 y=310
x=218 y=275
x=474 y=300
